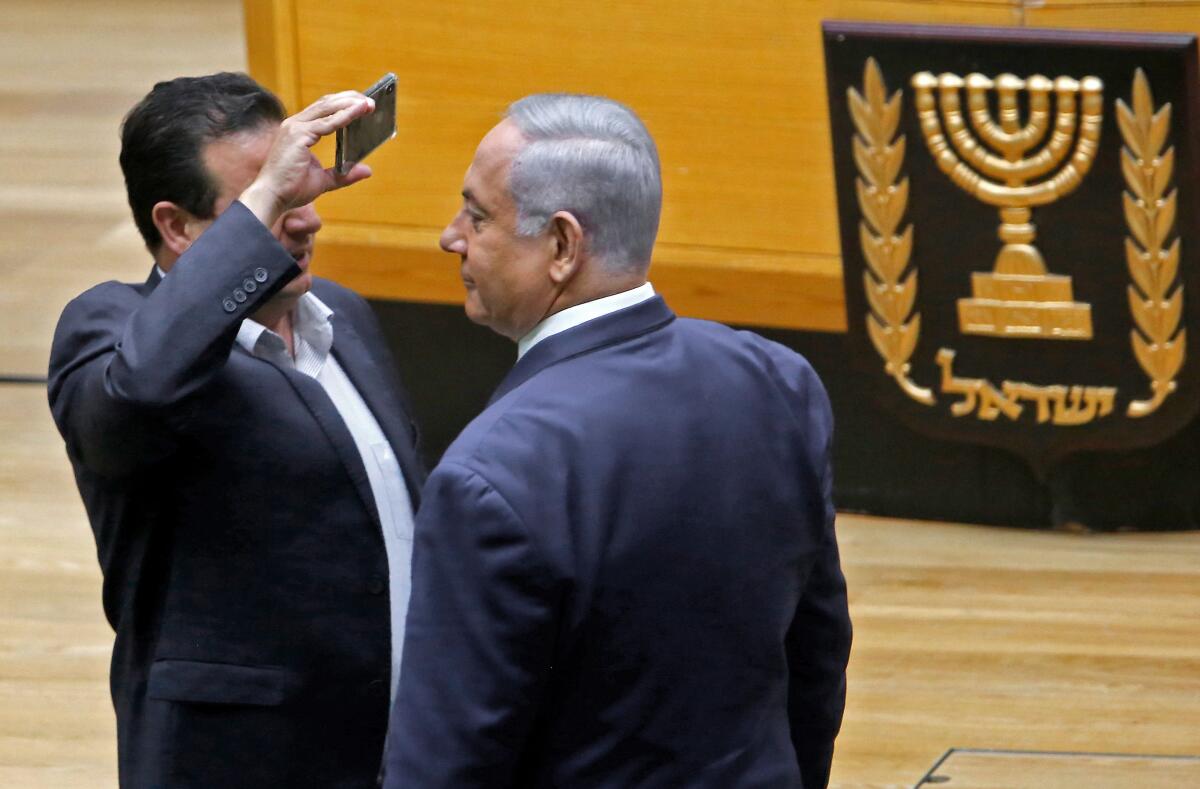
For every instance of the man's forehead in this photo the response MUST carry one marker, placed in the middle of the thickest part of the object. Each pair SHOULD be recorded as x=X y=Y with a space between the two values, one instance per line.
x=240 y=153
x=486 y=182
x=498 y=147
x=246 y=141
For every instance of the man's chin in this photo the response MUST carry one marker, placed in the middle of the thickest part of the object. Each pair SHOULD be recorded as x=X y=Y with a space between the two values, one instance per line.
x=285 y=300
x=291 y=292
x=478 y=315
x=475 y=313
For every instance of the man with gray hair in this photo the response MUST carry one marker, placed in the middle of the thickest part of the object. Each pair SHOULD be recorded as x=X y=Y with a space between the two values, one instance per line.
x=625 y=571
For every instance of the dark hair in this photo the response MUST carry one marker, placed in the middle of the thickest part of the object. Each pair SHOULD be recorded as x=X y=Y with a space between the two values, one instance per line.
x=163 y=139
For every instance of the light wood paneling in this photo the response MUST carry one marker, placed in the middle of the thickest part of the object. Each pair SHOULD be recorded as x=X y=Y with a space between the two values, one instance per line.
x=734 y=94
x=1165 y=16
x=56 y=721
x=1113 y=8
x=275 y=63
x=69 y=71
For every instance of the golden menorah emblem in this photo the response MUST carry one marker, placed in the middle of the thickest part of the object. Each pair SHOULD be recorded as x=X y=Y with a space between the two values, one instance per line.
x=1013 y=166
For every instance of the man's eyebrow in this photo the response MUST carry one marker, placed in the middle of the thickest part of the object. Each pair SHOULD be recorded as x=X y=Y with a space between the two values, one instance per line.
x=470 y=198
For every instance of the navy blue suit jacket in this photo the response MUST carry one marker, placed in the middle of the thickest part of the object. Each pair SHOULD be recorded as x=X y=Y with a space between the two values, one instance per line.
x=625 y=572
x=244 y=567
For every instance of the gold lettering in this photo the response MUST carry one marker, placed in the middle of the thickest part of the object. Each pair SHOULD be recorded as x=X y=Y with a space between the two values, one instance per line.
x=1075 y=413
x=968 y=387
x=992 y=403
x=1105 y=396
x=1056 y=404
x=1030 y=393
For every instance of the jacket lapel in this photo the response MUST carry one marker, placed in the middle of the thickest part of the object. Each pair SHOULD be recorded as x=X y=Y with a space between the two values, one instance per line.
x=624 y=324
x=327 y=416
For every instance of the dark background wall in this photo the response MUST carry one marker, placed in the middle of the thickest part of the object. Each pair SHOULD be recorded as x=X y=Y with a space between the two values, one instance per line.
x=881 y=467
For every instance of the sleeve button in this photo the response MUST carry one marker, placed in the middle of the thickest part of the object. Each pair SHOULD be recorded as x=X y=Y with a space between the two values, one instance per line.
x=229 y=304
x=260 y=274
x=249 y=285
x=239 y=295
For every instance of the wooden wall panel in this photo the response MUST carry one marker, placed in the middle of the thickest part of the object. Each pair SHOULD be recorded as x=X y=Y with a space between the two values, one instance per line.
x=733 y=93
x=271 y=47
x=1166 y=16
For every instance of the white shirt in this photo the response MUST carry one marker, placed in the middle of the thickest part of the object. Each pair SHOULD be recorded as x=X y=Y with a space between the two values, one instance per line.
x=312 y=337
x=582 y=313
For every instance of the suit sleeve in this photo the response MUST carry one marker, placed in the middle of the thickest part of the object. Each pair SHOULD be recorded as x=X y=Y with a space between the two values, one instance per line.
x=818 y=641
x=121 y=364
x=478 y=642
x=818 y=647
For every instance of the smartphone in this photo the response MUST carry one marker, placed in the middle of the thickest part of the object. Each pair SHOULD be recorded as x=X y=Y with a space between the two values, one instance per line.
x=370 y=131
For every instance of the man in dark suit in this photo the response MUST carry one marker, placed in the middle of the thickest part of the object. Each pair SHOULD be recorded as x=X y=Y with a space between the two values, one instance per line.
x=625 y=571
x=241 y=442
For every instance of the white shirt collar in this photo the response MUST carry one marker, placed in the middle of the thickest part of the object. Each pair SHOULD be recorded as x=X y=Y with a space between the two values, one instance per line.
x=581 y=313
x=312 y=334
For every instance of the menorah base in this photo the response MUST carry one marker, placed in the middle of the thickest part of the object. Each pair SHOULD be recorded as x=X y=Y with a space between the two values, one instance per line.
x=1024 y=305
x=1043 y=288
x=1031 y=319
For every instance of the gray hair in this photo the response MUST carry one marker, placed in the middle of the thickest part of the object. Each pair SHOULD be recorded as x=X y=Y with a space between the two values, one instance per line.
x=593 y=157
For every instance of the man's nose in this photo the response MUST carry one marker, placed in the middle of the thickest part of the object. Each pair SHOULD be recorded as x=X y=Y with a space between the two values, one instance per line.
x=302 y=221
x=452 y=240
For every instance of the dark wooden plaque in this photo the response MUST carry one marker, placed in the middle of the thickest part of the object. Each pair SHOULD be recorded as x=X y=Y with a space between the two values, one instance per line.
x=1020 y=231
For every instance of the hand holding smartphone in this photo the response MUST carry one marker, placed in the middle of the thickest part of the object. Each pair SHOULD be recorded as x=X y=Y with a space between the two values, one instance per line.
x=370 y=131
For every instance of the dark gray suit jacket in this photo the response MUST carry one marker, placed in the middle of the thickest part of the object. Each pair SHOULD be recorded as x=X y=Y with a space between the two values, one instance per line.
x=244 y=566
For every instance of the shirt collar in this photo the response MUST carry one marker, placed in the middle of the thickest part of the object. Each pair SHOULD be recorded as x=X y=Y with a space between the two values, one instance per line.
x=582 y=313
x=311 y=327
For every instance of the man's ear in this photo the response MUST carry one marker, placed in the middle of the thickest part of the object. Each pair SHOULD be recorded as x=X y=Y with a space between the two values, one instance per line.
x=176 y=225
x=567 y=236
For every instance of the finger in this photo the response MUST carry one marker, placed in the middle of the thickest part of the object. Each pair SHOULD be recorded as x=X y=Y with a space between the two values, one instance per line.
x=328 y=104
x=340 y=119
x=359 y=172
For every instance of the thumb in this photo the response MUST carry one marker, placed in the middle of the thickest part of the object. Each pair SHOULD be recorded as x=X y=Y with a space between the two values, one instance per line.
x=359 y=172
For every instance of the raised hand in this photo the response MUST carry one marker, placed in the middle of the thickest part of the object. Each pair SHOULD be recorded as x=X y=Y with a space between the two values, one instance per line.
x=292 y=176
